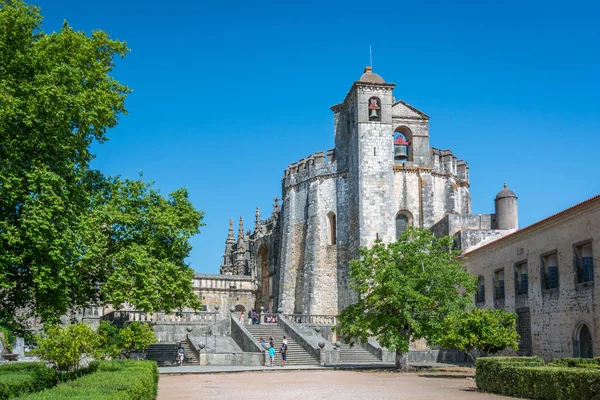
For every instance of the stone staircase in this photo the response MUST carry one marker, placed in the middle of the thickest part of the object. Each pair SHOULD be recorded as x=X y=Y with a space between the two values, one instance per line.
x=356 y=355
x=190 y=357
x=296 y=354
x=165 y=354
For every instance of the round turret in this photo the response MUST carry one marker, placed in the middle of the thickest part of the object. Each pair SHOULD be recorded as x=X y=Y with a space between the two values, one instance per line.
x=507 y=216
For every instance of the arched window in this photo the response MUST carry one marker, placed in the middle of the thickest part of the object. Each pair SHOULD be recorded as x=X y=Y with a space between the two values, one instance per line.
x=404 y=219
x=374 y=109
x=403 y=144
x=332 y=228
x=583 y=346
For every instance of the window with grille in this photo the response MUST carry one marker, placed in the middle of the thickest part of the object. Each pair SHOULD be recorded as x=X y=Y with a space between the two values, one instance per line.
x=583 y=262
x=499 y=284
x=480 y=295
x=521 y=278
x=549 y=264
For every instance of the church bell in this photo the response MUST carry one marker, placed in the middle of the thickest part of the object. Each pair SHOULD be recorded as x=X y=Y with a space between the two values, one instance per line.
x=373 y=114
x=400 y=153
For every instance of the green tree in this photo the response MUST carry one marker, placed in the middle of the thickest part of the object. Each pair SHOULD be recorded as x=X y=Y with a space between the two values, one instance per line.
x=109 y=342
x=405 y=290
x=480 y=330
x=7 y=338
x=136 y=336
x=70 y=237
x=65 y=346
x=135 y=246
x=56 y=97
x=113 y=341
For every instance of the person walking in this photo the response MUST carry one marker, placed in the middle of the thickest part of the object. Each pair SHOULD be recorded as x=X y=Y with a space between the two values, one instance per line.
x=180 y=355
x=242 y=318
x=284 y=352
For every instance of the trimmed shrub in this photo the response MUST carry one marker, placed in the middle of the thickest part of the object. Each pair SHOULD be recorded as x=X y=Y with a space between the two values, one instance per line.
x=24 y=377
x=530 y=378
x=577 y=363
x=118 y=379
x=27 y=377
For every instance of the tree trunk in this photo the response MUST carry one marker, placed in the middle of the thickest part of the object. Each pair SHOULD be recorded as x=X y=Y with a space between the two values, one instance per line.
x=401 y=361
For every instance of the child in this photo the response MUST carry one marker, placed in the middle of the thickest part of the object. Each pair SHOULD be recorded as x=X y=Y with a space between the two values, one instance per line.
x=272 y=355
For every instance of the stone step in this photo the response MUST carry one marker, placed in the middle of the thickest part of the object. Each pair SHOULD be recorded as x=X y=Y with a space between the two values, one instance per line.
x=165 y=354
x=188 y=353
x=296 y=354
x=356 y=354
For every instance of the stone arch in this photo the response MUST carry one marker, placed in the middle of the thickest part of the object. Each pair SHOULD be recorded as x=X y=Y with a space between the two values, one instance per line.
x=405 y=132
x=263 y=276
x=332 y=228
x=404 y=219
x=583 y=346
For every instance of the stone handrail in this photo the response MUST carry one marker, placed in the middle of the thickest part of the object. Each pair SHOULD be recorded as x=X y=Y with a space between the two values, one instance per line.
x=308 y=339
x=243 y=338
x=311 y=319
x=184 y=317
x=373 y=347
x=193 y=346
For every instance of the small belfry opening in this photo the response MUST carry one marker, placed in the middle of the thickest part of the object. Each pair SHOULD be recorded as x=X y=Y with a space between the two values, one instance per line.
x=332 y=228
x=402 y=144
x=374 y=109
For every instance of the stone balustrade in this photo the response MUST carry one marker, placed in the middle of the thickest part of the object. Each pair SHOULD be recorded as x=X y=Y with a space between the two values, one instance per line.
x=330 y=320
x=201 y=317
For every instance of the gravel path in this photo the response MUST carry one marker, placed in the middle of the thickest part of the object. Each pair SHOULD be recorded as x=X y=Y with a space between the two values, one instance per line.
x=279 y=384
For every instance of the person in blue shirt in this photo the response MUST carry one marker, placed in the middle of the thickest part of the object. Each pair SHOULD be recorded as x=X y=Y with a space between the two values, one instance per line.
x=272 y=355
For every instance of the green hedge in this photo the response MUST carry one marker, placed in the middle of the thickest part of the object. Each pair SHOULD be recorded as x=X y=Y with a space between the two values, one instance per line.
x=118 y=379
x=530 y=378
x=23 y=377
x=593 y=363
x=18 y=378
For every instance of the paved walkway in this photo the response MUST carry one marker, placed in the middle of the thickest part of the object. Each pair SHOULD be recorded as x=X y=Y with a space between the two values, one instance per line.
x=218 y=369
x=323 y=383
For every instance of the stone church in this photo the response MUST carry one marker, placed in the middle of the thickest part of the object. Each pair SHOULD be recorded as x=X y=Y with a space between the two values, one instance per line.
x=382 y=176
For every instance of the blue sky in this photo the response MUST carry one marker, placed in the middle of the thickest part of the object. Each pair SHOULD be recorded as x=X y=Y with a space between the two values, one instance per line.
x=227 y=94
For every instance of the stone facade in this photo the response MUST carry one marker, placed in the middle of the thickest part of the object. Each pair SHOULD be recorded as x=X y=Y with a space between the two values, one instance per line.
x=219 y=293
x=382 y=176
x=545 y=273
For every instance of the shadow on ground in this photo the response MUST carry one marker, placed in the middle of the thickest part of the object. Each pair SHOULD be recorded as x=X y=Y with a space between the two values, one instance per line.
x=446 y=376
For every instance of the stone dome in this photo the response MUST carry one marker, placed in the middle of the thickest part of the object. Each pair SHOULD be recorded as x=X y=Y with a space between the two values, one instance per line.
x=506 y=192
x=369 y=77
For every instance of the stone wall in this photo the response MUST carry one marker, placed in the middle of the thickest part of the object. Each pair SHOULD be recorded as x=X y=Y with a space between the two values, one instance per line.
x=225 y=291
x=554 y=315
x=308 y=262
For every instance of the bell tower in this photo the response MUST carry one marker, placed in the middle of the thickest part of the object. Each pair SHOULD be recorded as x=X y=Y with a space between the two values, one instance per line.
x=371 y=157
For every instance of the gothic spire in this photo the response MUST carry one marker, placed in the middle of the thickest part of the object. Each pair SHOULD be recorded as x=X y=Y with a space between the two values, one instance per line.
x=257 y=219
x=241 y=230
x=230 y=237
